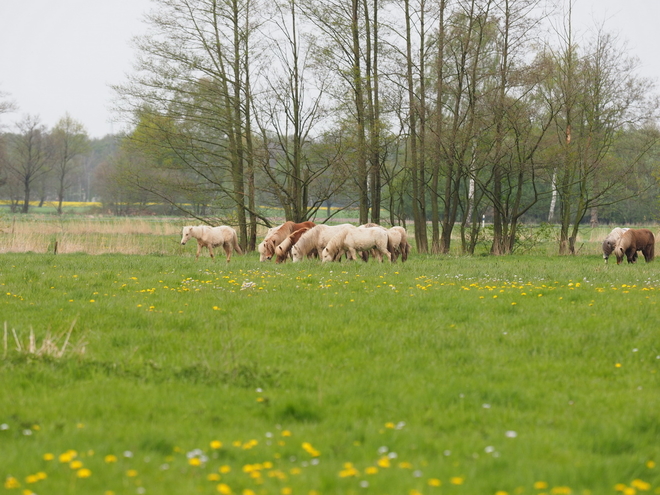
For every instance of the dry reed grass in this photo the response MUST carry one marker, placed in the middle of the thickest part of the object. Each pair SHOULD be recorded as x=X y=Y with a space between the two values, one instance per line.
x=91 y=235
x=49 y=345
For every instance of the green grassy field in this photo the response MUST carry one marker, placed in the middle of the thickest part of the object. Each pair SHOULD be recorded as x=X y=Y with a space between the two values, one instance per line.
x=443 y=375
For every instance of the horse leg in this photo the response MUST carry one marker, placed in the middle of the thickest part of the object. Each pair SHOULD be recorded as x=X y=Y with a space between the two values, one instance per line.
x=227 y=251
x=211 y=251
x=199 y=250
x=352 y=255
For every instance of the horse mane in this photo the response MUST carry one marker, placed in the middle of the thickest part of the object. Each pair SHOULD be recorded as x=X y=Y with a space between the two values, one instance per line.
x=335 y=243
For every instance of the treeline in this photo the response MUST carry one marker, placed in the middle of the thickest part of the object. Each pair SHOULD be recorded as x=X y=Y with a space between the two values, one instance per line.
x=438 y=112
x=441 y=112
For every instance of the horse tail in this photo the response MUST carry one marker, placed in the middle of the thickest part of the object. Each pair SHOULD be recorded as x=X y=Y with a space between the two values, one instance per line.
x=234 y=239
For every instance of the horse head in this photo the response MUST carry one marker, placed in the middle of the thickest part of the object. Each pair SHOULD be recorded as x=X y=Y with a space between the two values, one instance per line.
x=186 y=234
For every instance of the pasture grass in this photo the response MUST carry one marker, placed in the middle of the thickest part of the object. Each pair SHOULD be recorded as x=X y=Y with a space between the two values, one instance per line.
x=443 y=375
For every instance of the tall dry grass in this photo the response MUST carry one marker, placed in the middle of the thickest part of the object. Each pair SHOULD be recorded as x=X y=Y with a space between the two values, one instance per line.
x=92 y=235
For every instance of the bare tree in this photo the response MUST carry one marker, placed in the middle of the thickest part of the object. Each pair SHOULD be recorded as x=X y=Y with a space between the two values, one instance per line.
x=69 y=142
x=28 y=159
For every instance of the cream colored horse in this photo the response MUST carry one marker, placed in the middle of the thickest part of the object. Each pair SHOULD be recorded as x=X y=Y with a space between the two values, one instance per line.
x=211 y=237
x=315 y=239
x=358 y=239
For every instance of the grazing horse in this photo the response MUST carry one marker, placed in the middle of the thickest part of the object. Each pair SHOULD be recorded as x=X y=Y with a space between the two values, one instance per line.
x=314 y=240
x=634 y=240
x=283 y=249
x=610 y=241
x=211 y=237
x=401 y=247
x=397 y=242
x=358 y=239
x=267 y=247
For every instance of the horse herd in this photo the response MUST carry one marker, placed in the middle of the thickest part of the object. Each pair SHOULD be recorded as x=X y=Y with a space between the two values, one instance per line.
x=297 y=241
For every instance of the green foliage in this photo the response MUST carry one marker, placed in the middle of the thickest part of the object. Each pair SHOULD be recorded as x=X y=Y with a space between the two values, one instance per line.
x=480 y=374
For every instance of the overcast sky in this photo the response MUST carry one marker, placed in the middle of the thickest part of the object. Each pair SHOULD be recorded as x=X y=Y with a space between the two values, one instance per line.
x=59 y=56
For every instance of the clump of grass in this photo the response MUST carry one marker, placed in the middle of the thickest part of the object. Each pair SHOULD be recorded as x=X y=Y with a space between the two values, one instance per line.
x=49 y=346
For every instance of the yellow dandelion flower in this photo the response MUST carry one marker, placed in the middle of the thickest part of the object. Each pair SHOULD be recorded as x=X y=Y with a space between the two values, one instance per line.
x=224 y=489
x=457 y=480
x=414 y=492
x=41 y=475
x=247 y=491
x=75 y=464
x=390 y=425
x=216 y=444
x=540 y=485
x=384 y=462
x=650 y=464
x=12 y=482
x=405 y=465
x=619 y=487
x=48 y=457
x=617 y=365
x=295 y=471
x=286 y=491
x=237 y=443
x=434 y=482
x=224 y=469
x=83 y=473
x=561 y=490
x=195 y=461
x=213 y=477
x=108 y=492
x=31 y=479
x=110 y=458
x=131 y=473
x=629 y=491
x=286 y=433
x=501 y=492
x=371 y=470
x=641 y=485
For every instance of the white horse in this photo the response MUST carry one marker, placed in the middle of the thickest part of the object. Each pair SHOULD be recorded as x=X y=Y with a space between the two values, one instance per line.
x=610 y=241
x=397 y=242
x=211 y=237
x=358 y=239
x=315 y=239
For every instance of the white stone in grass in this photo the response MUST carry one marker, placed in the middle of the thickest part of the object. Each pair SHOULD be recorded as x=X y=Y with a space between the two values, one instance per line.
x=5 y=426
x=511 y=434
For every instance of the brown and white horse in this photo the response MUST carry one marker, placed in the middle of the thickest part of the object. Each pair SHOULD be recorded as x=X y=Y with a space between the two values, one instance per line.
x=274 y=238
x=284 y=248
x=634 y=240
